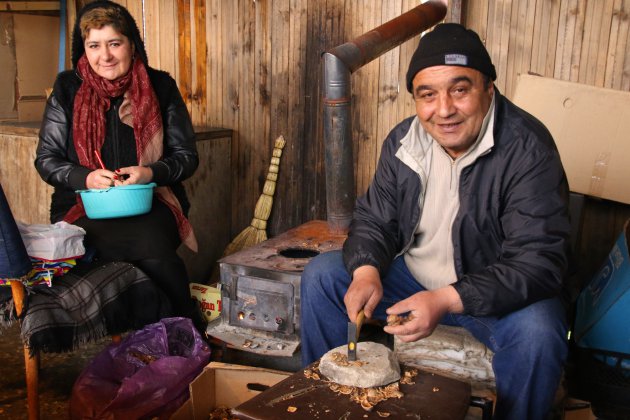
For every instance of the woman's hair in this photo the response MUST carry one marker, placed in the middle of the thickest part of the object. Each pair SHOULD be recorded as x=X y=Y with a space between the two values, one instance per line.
x=101 y=16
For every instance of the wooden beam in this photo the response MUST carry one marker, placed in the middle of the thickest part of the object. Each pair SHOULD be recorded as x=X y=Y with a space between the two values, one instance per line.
x=184 y=51
x=28 y=6
x=454 y=11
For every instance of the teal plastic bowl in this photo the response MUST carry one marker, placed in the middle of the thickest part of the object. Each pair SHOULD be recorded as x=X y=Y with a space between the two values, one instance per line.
x=123 y=201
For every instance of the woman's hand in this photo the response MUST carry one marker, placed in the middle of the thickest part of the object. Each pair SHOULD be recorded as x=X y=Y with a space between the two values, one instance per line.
x=134 y=175
x=425 y=311
x=365 y=292
x=100 y=179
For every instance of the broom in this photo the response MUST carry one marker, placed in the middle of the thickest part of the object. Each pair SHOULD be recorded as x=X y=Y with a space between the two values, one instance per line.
x=256 y=231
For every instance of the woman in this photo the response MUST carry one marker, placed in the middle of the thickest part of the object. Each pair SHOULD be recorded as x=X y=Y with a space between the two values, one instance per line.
x=113 y=104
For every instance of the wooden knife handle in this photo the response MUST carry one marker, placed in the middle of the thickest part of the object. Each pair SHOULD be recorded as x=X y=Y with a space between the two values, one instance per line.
x=359 y=322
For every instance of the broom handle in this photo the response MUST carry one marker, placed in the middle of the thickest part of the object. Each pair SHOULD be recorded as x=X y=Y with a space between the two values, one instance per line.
x=263 y=205
x=274 y=167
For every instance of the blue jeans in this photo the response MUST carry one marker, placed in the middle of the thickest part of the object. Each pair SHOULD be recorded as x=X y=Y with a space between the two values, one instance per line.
x=529 y=344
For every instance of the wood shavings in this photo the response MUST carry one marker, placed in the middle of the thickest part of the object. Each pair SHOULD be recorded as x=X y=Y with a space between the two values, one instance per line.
x=368 y=398
x=342 y=360
x=408 y=376
x=310 y=374
x=221 y=413
x=395 y=320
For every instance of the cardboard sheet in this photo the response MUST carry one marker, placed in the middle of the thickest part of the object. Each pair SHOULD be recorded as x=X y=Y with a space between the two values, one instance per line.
x=591 y=127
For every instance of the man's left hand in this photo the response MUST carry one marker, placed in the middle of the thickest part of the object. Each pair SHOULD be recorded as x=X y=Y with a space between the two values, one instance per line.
x=425 y=310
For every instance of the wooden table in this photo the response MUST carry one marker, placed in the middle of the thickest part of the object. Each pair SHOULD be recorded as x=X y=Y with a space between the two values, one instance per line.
x=429 y=397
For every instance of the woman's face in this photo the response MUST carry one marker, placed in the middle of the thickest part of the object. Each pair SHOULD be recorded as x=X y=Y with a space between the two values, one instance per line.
x=109 y=52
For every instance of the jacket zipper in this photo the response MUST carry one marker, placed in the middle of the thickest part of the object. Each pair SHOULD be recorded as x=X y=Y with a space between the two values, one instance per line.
x=115 y=148
x=420 y=207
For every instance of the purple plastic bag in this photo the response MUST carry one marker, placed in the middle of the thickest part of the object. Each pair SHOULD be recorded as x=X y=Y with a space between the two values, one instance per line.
x=144 y=376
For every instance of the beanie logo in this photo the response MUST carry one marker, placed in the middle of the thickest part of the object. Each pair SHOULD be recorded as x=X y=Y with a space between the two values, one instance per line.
x=455 y=60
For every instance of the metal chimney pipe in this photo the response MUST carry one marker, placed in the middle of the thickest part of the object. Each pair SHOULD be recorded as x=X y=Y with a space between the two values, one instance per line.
x=339 y=63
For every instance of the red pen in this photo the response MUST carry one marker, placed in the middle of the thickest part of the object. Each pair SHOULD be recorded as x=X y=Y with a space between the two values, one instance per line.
x=100 y=161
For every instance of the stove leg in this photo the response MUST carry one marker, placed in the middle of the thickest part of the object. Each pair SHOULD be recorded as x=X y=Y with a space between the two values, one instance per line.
x=485 y=404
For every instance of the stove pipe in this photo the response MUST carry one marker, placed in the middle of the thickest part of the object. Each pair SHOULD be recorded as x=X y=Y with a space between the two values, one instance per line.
x=339 y=63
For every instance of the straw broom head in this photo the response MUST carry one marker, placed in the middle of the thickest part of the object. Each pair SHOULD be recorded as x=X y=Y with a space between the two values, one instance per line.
x=256 y=232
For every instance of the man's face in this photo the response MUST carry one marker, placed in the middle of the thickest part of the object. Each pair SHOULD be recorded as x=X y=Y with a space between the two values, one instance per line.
x=451 y=102
x=108 y=52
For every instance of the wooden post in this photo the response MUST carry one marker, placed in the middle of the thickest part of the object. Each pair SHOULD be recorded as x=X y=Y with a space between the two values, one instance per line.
x=31 y=364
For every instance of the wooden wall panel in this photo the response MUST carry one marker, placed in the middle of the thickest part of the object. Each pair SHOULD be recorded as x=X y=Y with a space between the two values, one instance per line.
x=545 y=36
x=583 y=41
x=365 y=96
x=618 y=51
x=199 y=92
x=250 y=169
x=28 y=196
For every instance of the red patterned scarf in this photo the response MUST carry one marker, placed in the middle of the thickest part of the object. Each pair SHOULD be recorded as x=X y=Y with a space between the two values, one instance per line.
x=140 y=110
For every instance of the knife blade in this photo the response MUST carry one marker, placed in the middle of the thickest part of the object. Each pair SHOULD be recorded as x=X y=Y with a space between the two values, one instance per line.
x=354 y=328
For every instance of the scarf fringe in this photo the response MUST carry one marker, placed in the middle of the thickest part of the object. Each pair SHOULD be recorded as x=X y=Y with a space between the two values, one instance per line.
x=7 y=309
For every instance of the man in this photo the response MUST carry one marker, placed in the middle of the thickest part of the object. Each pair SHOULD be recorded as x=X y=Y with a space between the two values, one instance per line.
x=465 y=223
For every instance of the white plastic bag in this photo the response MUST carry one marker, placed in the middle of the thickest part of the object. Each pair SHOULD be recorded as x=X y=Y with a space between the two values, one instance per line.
x=60 y=241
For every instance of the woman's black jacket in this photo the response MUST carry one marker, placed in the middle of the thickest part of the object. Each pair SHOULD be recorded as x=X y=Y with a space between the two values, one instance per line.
x=57 y=162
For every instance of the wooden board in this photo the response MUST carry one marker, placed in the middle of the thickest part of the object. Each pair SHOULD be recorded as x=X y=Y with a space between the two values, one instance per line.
x=28 y=195
x=430 y=396
x=209 y=192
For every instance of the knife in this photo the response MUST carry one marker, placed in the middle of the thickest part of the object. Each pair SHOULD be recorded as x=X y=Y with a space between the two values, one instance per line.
x=354 y=328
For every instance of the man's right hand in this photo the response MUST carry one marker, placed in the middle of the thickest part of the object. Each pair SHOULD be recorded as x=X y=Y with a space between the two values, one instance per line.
x=365 y=292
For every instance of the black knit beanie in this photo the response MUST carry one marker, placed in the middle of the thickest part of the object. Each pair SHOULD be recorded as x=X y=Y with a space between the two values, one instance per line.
x=134 y=37
x=450 y=44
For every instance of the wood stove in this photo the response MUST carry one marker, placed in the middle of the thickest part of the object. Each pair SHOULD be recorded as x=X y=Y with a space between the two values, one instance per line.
x=260 y=290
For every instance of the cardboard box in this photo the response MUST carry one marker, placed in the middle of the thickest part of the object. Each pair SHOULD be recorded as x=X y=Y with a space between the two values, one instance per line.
x=603 y=307
x=209 y=299
x=590 y=126
x=228 y=385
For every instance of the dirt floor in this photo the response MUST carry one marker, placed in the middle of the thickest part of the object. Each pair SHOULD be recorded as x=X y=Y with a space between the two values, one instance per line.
x=59 y=372
x=56 y=377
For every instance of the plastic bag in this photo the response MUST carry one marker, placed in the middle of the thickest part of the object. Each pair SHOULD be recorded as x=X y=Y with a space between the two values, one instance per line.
x=59 y=241
x=144 y=376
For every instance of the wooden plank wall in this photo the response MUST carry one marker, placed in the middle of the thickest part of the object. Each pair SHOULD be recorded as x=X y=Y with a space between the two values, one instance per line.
x=585 y=41
x=254 y=66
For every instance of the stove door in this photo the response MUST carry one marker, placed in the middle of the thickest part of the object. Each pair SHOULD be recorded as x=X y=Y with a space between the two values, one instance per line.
x=262 y=304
